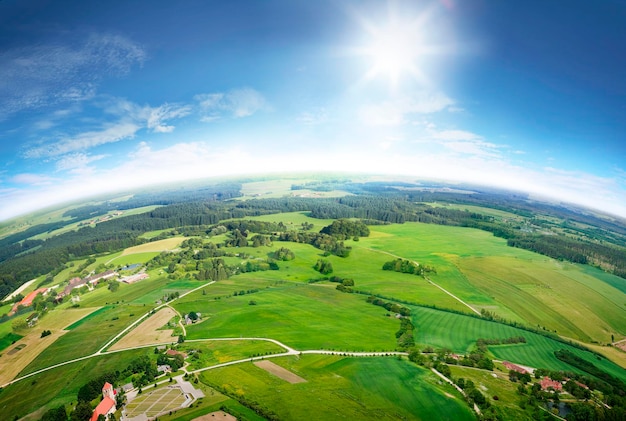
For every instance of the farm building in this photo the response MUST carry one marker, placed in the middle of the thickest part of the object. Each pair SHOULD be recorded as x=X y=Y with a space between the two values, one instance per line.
x=547 y=383
x=94 y=279
x=28 y=300
x=134 y=278
x=107 y=404
x=514 y=367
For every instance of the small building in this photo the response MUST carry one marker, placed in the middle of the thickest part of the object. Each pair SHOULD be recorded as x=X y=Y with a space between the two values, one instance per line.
x=547 y=383
x=127 y=387
x=164 y=368
x=106 y=406
x=173 y=352
x=514 y=367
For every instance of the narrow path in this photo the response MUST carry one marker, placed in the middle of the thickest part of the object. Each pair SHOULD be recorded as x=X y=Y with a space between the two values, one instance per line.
x=180 y=321
x=476 y=408
x=427 y=279
x=454 y=296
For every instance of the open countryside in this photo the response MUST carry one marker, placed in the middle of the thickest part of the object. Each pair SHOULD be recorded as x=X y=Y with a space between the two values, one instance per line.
x=294 y=315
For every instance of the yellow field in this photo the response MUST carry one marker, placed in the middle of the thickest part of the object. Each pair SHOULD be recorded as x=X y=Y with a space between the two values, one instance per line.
x=146 y=332
x=161 y=245
x=32 y=344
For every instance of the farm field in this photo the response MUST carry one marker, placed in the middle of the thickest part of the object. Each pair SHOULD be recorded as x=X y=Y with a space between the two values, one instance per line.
x=57 y=386
x=86 y=338
x=208 y=352
x=149 y=331
x=308 y=316
x=32 y=345
x=515 y=284
x=459 y=333
x=346 y=388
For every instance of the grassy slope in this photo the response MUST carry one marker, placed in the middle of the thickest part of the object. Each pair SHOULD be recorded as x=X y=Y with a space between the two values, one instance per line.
x=302 y=316
x=58 y=386
x=345 y=388
x=515 y=284
x=459 y=333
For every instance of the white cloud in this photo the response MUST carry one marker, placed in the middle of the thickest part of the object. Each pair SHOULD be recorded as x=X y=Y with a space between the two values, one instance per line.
x=32 y=179
x=239 y=103
x=131 y=119
x=77 y=163
x=464 y=142
x=396 y=111
x=112 y=132
x=49 y=74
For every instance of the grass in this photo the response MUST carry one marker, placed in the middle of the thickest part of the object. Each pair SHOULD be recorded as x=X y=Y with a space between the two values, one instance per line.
x=515 y=284
x=8 y=340
x=58 y=386
x=208 y=353
x=490 y=386
x=344 y=388
x=459 y=333
x=87 y=318
x=87 y=338
x=302 y=316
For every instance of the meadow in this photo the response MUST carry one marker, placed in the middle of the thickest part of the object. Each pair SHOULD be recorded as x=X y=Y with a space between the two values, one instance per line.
x=459 y=333
x=305 y=316
x=205 y=353
x=32 y=397
x=344 y=388
x=87 y=338
x=515 y=284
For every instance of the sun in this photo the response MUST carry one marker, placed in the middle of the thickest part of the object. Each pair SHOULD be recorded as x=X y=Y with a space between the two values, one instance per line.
x=394 y=53
x=400 y=48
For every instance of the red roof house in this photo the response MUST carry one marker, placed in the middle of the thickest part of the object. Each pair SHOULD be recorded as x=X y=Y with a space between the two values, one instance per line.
x=548 y=383
x=107 y=404
x=28 y=300
x=514 y=367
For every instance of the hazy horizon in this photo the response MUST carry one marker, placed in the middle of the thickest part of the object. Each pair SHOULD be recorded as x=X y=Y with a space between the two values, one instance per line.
x=99 y=98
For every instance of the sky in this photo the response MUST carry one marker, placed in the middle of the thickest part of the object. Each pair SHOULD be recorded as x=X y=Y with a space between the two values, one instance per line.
x=98 y=97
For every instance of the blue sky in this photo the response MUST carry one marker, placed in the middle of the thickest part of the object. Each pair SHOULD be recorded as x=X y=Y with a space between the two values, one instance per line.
x=103 y=96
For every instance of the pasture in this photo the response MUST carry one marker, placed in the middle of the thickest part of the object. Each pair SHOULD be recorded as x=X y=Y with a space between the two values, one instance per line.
x=86 y=338
x=507 y=403
x=459 y=333
x=57 y=386
x=167 y=244
x=149 y=331
x=25 y=350
x=383 y=388
x=205 y=353
x=305 y=316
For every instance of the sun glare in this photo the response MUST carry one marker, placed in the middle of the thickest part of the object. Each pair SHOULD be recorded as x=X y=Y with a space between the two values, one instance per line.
x=401 y=47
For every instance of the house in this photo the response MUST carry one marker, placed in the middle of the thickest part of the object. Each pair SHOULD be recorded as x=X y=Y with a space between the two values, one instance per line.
x=106 y=406
x=93 y=279
x=547 y=383
x=172 y=352
x=164 y=368
x=127 y=387
x=28 y=300
x=514 y=367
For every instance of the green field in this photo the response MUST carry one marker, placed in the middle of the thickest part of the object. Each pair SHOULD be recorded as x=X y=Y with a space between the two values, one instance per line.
x=344 y=388
x=57 y=386
x=8 y=339
x=87 y=338
x=459 y=333
x=515 y=284
x=302 y=316
x=210 y=352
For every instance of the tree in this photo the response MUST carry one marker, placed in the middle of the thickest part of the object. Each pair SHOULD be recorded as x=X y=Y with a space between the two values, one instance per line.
x=113 y=286
x=193 y=315
x=82 y=412
x=55 y=414
x=18 y=325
